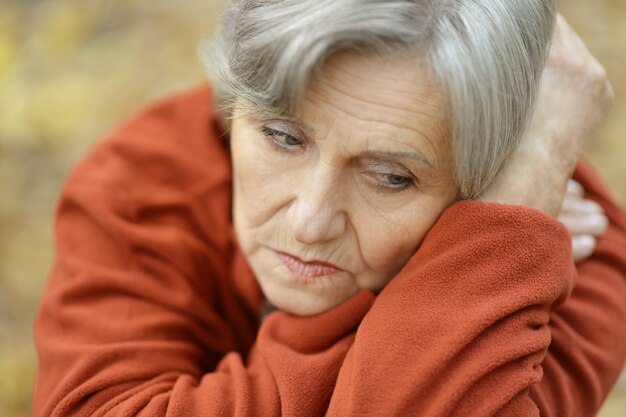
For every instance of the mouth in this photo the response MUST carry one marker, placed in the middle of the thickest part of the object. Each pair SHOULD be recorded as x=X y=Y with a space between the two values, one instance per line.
x=307 y=269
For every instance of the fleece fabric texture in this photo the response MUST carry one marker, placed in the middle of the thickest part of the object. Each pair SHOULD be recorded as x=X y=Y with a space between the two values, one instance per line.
x=151 y=309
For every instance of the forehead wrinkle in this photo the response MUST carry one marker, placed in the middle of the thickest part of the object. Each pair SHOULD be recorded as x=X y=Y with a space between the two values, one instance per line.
x=426 y=92
x=369 y=135
x=425 y=102
x=322 y=91
x=359 y=116
x=410 y=155
x=345 y=86
x=371 y=64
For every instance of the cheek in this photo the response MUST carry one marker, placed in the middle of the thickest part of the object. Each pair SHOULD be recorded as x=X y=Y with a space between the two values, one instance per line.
x=255 y=197
x=386 y=249
x=387 y=244
x=260 y=185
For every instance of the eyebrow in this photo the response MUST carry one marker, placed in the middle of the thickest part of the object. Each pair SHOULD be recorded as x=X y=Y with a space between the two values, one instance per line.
x=405 y=155
x=372 y=154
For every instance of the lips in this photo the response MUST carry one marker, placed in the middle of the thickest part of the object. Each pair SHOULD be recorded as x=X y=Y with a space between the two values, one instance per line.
x=311 y=269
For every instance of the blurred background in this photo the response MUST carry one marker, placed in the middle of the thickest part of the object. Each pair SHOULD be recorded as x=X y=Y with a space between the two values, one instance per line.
x=70 y=71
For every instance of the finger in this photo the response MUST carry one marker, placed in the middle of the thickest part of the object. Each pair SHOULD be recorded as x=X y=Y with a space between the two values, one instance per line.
x=585 y=224
x=574 y=188
x=582 y=247
x=574 y=204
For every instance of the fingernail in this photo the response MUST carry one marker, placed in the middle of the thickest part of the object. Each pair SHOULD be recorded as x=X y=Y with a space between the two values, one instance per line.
x=584 y=241
x=574 y=187
x=592 y=207
x=600 y=221
x=582 y=247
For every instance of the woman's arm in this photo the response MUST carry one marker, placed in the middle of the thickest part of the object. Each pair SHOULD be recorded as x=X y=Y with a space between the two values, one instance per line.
x=150 y=309
x=588 y=339
x=136 y=320
x=478 y=324
x=463 y=329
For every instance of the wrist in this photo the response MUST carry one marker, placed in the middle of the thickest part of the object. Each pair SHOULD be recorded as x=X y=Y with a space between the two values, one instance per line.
x=532 y=178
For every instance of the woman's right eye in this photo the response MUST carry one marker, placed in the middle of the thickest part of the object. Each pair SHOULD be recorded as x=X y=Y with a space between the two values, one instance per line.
x=282 y=139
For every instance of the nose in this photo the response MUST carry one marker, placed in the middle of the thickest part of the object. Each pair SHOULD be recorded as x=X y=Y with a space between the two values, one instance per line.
x=316 y=215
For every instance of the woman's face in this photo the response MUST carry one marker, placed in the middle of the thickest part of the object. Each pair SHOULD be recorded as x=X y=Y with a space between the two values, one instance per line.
x=340 y=199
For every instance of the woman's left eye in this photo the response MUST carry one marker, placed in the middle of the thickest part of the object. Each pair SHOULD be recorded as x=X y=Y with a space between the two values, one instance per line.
x=394 y=181
x=397 y=181
x=381 y=178
x=281 y=139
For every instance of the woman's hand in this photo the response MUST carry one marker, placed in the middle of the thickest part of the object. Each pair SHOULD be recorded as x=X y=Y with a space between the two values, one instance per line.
x=574 y=97
x=584 y=219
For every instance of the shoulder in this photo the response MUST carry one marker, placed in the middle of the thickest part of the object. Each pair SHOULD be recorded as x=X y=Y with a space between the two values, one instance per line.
x=171 y=157
x=174 y=141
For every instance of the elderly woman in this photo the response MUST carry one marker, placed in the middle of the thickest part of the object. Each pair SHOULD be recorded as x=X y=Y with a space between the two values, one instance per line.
x=385 y=174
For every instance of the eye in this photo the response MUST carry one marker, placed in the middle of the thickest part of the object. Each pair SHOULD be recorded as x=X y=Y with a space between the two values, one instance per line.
x=281 y=139
x=395 y=180
x=387 y=178
x=392 y=181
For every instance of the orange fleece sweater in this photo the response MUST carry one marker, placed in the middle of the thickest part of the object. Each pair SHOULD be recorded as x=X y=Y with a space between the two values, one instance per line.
x=151 y=309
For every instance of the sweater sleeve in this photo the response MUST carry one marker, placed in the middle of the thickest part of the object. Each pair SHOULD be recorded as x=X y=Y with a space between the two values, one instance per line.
x=126 y=328
x=588 y=345
x=137 y=318
x=479 y=322
x=142 y=314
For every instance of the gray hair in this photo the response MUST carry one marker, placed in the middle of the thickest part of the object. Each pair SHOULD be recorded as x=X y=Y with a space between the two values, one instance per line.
x=487 y=55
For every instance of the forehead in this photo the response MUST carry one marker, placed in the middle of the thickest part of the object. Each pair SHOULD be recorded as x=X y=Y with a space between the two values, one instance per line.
x=378 y=101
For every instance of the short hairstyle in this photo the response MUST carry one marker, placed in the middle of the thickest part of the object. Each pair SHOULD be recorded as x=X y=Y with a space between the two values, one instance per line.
x=486 y=55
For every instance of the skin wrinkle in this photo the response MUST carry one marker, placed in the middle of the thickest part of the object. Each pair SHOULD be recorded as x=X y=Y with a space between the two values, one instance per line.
x=432 y=98
x=337 y=77
x=422 y=136
x=455 y=56
x=401 y=155
x=412 y=131
x=304 y=250
x=389 y=109
x=354 y=114
x=434 y=101
x=381 y=213
x=325 y=174
x=358 y=240
x=327 y=199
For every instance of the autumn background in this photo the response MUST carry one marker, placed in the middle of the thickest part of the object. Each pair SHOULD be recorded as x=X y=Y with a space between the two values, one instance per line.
x=70 y=71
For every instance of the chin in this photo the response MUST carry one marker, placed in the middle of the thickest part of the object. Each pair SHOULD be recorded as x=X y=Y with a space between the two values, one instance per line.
x=300 y=303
